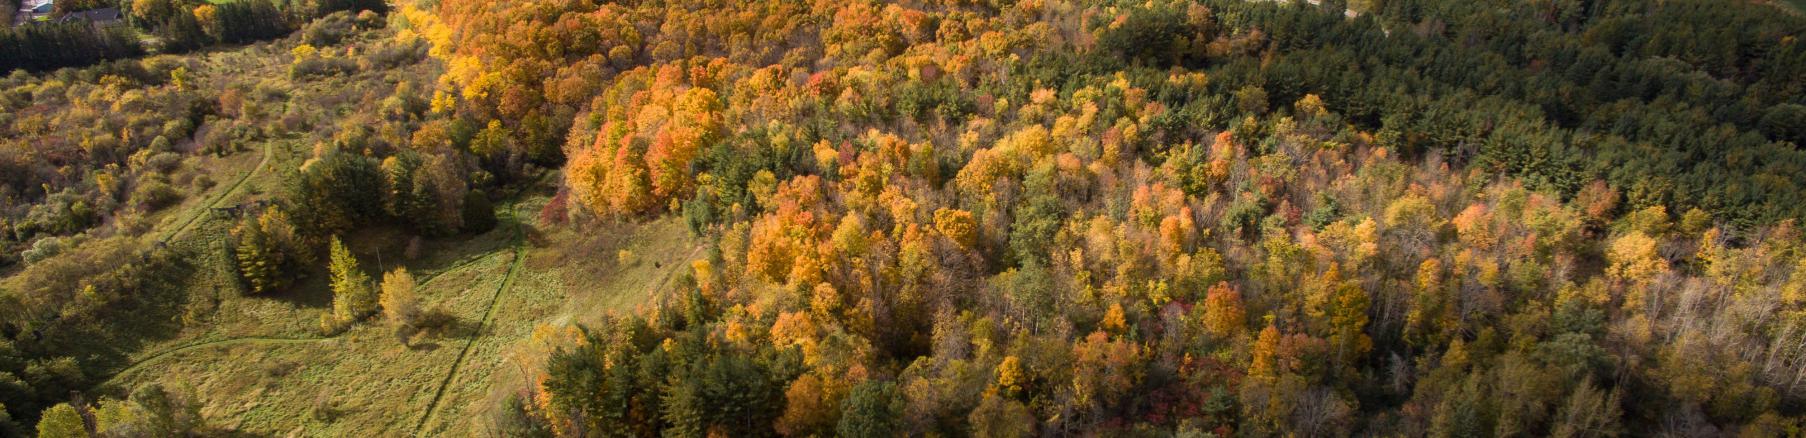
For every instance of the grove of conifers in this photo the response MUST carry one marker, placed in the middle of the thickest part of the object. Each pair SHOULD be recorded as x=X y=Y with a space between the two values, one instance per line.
x=992 y=217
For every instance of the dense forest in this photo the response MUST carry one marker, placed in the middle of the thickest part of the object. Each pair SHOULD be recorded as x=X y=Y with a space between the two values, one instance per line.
x=979 y=217
x=1045 y=217
x=102 y=168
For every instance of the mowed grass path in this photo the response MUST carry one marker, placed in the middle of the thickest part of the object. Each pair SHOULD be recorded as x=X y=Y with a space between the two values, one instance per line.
x=489 y=311
x=206 y=208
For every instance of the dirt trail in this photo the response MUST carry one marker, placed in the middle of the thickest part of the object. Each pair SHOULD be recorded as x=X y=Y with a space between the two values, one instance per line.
x=216 y=343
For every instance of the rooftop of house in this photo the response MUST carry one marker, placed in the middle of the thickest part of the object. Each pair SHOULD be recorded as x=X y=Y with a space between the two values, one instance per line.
x=102 y=15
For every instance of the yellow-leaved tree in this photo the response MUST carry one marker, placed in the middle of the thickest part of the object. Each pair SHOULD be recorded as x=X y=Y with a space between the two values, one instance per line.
x=1224 y=316
x=400 y=306
x=352 y=297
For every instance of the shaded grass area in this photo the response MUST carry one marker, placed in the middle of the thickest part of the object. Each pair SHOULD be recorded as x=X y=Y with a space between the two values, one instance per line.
x=103 y=344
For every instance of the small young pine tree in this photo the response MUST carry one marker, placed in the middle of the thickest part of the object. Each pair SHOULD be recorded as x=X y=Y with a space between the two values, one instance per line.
x=352 y=297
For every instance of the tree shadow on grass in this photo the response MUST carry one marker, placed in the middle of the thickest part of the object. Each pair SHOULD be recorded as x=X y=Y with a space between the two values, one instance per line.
x=440 y=324
x=380 y=249
x=434 y=256
x=312 y=291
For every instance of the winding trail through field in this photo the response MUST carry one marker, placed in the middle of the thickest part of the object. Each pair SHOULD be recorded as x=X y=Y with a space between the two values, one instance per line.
x=268 y=150
x=218 y=343
x=507 y=280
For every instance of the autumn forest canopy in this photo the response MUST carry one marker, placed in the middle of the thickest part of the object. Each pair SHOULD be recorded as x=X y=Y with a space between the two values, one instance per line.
x=943 y=218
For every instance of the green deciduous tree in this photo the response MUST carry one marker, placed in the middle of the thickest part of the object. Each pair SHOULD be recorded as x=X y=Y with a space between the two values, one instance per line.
x=872 y=409
x=1001 y=417
x=62 y=421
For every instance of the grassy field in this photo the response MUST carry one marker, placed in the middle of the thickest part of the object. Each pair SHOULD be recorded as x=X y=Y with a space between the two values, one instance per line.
x=362 y=381
x=259 y=363
x=262 y=367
